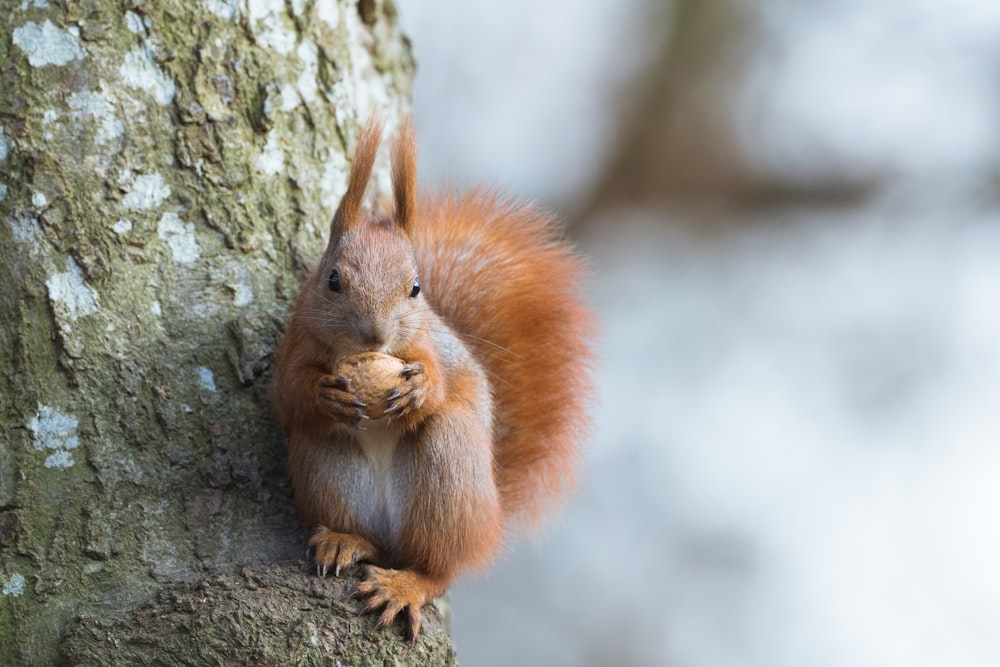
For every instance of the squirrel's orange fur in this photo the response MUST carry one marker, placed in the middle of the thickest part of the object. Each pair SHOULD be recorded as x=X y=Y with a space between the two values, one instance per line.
x=486 y=416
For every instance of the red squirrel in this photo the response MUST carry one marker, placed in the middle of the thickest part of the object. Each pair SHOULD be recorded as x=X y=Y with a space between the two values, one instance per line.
x=481 y=299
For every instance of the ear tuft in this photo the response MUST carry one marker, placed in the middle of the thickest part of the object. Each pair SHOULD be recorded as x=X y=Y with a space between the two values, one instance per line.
x=349 y=213
x=404 y=176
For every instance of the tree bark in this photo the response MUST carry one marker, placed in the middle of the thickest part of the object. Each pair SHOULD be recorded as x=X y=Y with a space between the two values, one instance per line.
x=167 y=173
x=261 y=615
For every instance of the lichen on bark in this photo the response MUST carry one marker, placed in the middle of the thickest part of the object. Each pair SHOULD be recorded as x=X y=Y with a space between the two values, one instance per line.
x=167 y=172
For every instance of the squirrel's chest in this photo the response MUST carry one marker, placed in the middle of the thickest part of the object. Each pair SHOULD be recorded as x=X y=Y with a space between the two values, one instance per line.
x=379 y=495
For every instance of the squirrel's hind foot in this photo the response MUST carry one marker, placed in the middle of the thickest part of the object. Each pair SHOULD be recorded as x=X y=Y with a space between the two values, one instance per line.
x=339 y=550
x=394 y=591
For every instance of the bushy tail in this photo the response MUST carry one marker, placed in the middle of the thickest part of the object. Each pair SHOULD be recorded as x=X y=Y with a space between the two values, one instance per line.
x=500 y=274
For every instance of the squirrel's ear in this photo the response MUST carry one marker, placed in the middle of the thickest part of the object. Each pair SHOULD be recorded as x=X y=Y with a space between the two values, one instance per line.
x=404 y=176
x=349 y=213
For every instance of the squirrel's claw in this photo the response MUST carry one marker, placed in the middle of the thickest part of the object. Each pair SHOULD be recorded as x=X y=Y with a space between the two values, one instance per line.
x=340 y=403
x=337 y=382
x=410 y=370
x=395 y=592
x=338 y=550
x=408 y=395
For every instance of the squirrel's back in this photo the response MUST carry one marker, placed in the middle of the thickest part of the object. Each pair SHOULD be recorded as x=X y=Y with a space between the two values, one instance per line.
x=499 y=273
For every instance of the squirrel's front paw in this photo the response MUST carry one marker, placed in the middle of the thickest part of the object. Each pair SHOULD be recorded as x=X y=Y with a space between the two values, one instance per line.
x=407 y=396
x=341 y=403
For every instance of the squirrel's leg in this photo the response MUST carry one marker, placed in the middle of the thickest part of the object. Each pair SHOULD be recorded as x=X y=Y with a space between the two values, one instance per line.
x=322 y=471
x=454 y=523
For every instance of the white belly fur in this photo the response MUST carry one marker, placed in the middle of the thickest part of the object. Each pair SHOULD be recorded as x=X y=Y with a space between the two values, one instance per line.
x=377 y=502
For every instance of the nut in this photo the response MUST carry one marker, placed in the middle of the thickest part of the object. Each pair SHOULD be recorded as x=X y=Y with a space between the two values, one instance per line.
x=373 y=375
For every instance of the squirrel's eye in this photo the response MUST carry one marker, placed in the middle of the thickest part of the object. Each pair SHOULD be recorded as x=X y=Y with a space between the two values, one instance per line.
x=335 y=281
x=416 y=288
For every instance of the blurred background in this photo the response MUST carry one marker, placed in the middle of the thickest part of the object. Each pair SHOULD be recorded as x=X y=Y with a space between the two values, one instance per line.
x=793 y=214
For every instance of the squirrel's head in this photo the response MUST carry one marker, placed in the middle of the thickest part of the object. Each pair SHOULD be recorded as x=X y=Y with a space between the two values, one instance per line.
x=365 y=294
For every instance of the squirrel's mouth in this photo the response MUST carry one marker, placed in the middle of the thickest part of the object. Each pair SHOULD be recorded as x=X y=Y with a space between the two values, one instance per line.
x=356 y=346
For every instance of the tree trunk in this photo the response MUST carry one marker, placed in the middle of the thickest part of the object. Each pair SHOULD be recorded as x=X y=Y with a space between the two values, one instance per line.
x=167 y=173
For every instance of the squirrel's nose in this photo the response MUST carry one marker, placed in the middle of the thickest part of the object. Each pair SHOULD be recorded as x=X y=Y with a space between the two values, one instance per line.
x=373 y=335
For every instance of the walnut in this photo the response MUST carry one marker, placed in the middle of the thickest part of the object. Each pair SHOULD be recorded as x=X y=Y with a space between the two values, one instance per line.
x=373 y=375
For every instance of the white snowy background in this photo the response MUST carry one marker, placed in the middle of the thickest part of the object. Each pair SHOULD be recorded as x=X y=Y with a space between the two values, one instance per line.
x=797 y=459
